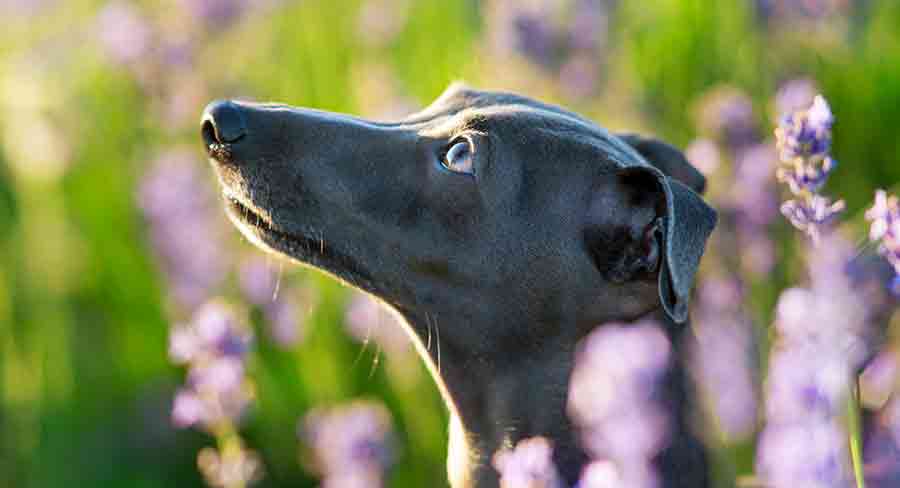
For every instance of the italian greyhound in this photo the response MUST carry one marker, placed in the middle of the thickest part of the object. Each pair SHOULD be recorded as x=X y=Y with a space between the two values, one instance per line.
x=509 y=227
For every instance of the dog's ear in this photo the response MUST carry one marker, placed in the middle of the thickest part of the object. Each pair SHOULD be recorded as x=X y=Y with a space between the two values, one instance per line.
x=641 y=224
x=667 y=159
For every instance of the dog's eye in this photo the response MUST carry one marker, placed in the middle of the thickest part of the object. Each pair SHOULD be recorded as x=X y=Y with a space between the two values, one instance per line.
x=459 y=157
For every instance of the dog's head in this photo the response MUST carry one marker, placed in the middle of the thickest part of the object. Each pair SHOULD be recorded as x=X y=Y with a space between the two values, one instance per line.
x=485 y=208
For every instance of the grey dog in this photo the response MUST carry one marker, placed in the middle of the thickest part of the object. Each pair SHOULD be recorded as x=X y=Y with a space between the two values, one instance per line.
x=511 y=226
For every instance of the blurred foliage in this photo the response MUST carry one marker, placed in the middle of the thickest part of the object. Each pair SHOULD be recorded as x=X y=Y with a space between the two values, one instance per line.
x=85 y=381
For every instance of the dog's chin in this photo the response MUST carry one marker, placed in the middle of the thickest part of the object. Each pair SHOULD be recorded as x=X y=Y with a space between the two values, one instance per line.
x=314 y=252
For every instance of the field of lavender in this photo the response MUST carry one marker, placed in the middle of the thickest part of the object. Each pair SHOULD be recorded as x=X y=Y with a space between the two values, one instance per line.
x=143 y=343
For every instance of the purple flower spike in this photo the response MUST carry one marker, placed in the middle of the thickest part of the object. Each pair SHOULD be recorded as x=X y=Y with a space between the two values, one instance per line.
x=806 y=134
x=124 y=34
x=802 y=175
x=351 y=445
x=804 y=139
x=215 y=13
x=188 y=409
x=285 y=321
x=823 y=335
x=213 y=346
x=726 y=113
x=600 y=474
x=534 y=37
x=891 y=418
x=804 y=454
x=723 y=352
x=565 y=39
x=810 y=215
x=528 y=465
x=257 y=280
x=185 y=227
x=885 y=218
x=614 y=398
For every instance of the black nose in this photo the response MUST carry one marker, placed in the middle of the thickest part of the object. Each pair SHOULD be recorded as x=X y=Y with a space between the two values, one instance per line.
x=223 y=122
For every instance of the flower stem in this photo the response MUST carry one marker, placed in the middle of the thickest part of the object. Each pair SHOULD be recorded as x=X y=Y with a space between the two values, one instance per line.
x=855 y=431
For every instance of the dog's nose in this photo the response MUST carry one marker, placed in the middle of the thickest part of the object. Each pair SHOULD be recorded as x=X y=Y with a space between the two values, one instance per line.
x=223 y=122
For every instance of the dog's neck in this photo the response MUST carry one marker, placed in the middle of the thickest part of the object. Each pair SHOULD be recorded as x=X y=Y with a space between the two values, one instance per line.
x=497 y=400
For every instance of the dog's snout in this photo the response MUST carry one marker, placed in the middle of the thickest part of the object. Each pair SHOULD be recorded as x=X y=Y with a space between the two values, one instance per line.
x=223 y=123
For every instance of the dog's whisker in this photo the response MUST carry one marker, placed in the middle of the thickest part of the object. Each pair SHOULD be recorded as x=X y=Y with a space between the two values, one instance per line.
x=428 y=328
x=437 y=332
x=362 y=350
x=278 y=281
x=375 y=360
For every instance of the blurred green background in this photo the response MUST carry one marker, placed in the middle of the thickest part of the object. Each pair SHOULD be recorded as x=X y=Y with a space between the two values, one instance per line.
x=91 y=99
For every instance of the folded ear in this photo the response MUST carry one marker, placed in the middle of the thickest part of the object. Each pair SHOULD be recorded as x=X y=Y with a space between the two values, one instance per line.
x=642 y=224
x=667 y=159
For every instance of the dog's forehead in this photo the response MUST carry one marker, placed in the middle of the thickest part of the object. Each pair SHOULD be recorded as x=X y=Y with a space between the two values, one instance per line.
x=458 y=97
x=461 y=104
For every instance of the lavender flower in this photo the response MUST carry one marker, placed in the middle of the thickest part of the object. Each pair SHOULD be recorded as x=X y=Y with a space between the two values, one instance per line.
x=600 y=474
x=811 y=215
x=579 y=75
x=562 y=37
x=753 y=195
x=613 y=398
x=257 y=280
x=284 y=311
x=534 y=37
x=804 y=454
x=754 y=202
x=287 y=314
x=822 y=343
x=726 y=114
x=588 y=27
x=528 y=465
x=723 y=357
x=213 y=347
x=351 y=445
x=881 y=451
x=891 y=418
x=793 y=10
x=124 y=34
x=804 y=139
x=185 y=226
x=215 y=13
x=802 y=175
x=885 y=218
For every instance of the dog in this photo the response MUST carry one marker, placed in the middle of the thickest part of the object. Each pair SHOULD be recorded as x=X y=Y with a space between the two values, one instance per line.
x=506 y=227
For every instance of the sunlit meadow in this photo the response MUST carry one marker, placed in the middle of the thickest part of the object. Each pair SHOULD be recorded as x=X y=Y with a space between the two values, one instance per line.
x=143 y=343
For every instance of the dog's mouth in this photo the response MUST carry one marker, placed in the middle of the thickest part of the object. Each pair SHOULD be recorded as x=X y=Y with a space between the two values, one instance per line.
x=260 y=230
